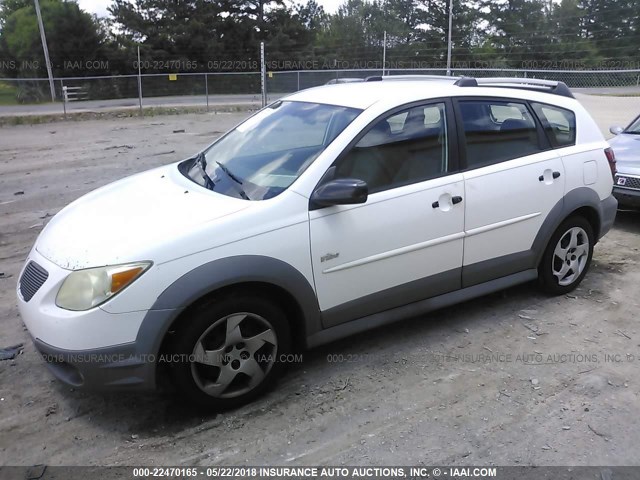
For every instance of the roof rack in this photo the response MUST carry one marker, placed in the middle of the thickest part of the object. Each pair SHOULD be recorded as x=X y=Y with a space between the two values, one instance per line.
x=535 y=84
x=550 y=86
x=379 y=78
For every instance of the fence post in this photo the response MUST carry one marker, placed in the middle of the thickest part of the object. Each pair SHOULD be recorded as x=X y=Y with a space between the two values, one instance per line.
x=206 y=88
x=64 y=107
x=298 y=79
x=64 y=100
x=384 y=52
x=263 y=75
x=140 y=82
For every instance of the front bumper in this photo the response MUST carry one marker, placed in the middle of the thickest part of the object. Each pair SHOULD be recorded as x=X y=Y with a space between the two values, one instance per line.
x=112 y=368
x=93 y=349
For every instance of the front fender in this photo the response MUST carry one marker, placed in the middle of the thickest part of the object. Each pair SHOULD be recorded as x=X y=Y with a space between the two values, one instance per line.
x=222 y=273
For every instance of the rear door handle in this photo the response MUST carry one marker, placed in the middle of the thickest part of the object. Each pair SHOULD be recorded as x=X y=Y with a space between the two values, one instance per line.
x=454 y=200
x=554 y=175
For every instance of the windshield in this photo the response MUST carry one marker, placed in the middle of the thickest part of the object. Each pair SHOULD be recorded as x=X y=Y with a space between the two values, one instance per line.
x=634 y=127
x=264 y=155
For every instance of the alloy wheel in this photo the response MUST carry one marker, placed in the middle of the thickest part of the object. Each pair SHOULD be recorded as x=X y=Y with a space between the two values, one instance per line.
x=234 y=355
x=570 y=256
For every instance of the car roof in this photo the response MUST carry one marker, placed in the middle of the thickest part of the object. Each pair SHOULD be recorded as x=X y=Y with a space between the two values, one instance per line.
x=362 y=95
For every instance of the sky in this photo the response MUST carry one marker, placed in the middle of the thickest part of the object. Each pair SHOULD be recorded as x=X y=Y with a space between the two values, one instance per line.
x=99 y=7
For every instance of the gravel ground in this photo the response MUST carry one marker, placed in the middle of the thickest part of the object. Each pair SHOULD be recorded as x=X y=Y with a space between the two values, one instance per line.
x=515 y=378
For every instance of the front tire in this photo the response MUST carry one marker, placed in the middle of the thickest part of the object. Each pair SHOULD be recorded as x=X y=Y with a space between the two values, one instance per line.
x=568 y=256
x=227 y=351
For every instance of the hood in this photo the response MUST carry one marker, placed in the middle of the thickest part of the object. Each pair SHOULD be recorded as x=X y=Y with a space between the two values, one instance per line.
x=627 y=148
x=134 y=219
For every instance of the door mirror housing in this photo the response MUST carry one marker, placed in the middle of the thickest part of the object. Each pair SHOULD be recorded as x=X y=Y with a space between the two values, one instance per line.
x=616 y=129
x=341 y=191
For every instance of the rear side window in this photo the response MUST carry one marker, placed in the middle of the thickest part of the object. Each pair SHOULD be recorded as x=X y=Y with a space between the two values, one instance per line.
x=495 y=131
x=559 y=123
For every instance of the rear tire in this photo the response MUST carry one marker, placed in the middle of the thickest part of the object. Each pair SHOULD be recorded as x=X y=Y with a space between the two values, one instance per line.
x=568 y=256
x=227 y=352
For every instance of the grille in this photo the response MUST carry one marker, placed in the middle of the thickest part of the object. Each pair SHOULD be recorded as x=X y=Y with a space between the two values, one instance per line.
x=32 y=279
x=628 y=182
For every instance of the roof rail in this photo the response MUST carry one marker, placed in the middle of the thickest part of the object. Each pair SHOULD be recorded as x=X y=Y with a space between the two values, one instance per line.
x=379 y=78
x=550 y=86
x=535 y=84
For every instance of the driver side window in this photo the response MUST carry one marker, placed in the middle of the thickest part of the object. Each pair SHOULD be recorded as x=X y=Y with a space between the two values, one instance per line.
x=404 y=148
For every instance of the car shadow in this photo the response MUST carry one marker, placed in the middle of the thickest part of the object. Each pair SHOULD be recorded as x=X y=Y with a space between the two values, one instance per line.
x=628 y=220
x=165 y=414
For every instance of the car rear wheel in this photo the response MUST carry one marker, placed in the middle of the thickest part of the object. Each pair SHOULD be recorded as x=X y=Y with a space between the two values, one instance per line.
x=227 y=352
x=567 y=257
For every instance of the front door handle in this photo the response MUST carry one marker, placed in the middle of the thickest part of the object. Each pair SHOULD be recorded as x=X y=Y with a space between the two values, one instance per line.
x=556 y=174
x=456 y=200
x=435 y=205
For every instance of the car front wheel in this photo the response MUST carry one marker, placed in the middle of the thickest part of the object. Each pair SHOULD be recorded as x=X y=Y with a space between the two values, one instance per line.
x=228 y=350
x=567 y=257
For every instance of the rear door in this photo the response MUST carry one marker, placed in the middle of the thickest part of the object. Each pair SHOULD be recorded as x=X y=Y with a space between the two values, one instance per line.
x=513 y=178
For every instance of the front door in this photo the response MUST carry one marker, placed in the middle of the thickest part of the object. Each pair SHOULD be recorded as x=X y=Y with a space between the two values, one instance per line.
x=405 y=243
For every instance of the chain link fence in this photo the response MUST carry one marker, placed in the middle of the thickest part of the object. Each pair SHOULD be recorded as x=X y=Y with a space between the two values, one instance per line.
x=285 y=82
x=211 y=90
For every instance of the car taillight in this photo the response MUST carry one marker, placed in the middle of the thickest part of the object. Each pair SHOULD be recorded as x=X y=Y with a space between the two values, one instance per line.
x=611 y=158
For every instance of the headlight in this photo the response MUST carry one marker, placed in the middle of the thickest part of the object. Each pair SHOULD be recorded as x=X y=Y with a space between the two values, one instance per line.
x=85 y=289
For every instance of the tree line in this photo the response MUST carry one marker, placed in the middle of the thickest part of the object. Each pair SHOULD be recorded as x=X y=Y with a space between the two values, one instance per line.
x=225 y=35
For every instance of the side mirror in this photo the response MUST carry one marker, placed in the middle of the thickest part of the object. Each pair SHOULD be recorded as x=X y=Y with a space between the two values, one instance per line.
x=341 y=191
x=616 y=130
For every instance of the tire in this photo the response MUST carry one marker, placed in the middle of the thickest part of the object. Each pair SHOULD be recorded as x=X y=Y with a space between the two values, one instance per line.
x=568 y=256
x=227 y=352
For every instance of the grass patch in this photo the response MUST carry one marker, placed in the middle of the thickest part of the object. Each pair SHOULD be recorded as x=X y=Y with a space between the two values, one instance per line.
x=630 y=94
x=8 y=94
x=10 y=120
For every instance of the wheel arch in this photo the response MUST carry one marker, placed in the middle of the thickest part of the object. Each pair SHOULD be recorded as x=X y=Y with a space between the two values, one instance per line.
x=267 y=275
x=277 y=294
x=591 y=215
x=581 y=201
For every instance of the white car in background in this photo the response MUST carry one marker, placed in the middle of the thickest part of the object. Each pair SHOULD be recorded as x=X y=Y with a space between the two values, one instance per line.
x=626 y=145
x=329 y=212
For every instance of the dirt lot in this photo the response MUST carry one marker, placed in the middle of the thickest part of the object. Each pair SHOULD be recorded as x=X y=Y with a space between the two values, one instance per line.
x=543 y=381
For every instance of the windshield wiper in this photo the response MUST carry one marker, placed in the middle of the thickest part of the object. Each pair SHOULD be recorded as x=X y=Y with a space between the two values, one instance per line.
x=229 y=174
x=235 y=179
x=201 y=162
